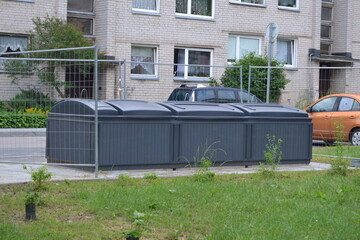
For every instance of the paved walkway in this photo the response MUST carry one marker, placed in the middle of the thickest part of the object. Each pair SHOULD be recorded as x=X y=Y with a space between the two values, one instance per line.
x=14 y=173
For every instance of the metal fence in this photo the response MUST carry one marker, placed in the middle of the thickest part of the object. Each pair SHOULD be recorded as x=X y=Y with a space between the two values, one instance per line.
x=33 y=81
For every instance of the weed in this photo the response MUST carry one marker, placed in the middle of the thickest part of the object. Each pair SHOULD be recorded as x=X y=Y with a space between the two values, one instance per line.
x=39 y=177
x=125 y=179
x=204 y=161
x=139 y=226
x=273 y=155
x=339 y=165
x=151 y=176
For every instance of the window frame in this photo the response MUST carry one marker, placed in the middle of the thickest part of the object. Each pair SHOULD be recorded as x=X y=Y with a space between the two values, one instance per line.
x=355 y=102
x=195 y=16
x=334 y=107
x=85 y=18
x=296 y=8
x=147 y=11
x=4 y=53
x=82 y=12
x=156 y=57
x=294 y=53
x=29 y=1
x=238 y=44
x=249 y=4
x=186 y=76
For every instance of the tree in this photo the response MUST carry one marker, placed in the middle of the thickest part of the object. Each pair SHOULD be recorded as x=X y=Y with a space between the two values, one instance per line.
x=230 y=78
x=51 y=33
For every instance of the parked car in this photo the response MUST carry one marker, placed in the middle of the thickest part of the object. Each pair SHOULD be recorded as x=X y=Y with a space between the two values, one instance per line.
x=336 y=117
x=201 y=93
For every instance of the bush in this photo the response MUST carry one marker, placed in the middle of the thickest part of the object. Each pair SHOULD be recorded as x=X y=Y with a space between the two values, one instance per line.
x=30 y=118
x=230 y=78
x=30 y=99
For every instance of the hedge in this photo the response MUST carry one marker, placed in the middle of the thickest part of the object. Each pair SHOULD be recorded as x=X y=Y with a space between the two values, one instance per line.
x=29 y=118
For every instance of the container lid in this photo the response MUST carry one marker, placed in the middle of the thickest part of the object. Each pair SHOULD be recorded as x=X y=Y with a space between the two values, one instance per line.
x=138 y=108
x=196 y=109
x=82 y=107
x=270 y=110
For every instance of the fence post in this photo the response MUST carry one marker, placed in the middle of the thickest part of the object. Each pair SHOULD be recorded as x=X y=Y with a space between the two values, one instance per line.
x=241 y=84
x=125 y=91
x=249 y=85
x=96 y=111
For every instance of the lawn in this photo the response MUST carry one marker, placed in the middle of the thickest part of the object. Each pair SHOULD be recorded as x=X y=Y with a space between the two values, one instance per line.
x=347 y=151
x=297 y=205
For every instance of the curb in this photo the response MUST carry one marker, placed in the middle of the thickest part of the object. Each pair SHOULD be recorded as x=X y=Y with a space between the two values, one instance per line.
x=23 y=132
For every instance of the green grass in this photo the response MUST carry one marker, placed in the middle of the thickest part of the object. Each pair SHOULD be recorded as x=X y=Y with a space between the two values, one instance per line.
x=348 y=151
x=306 y=205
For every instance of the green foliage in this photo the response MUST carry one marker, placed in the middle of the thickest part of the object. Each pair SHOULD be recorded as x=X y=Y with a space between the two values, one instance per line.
x=32 y=197
x=22 y=119
x=39 y=177
x=139 y=226
x=273 y=155
x=235 y=206
x=125 y=180
x=204 y=161
x=339 y=165
x=52 y=33
x=231 y=77
x=150 y=176
x=31 y=98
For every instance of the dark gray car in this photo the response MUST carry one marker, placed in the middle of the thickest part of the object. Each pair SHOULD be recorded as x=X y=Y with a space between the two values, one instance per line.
x=212 y=94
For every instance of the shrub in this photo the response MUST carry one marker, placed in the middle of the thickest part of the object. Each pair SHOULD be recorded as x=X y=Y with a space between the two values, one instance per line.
x=30 y=99
x=28 y=118
x=230 y=78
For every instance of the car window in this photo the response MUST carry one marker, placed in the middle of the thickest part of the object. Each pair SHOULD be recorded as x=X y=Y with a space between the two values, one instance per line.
x=180 y=95
x=346 y=104
x=326 y=105
x=226 y=96
x=205 y=95
x=356 y=106
x=246 y=97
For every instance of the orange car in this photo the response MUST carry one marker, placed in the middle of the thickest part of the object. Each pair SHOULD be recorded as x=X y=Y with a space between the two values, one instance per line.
x=336 y=117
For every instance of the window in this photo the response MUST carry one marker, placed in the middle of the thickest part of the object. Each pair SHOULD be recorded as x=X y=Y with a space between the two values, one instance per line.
x=248 y=98
x=250 y=2
x=348 y=104
x=195 y=7
x=80 y=5
x=226 y=96
x=189 y=56
x=288 y=3
x=11 y=44
x=326 y=13
x=325 y=48
x=205 y=95
x=143 y=60
x=325 y=31
x=85 y=25
x=239 y=46
x=286 y=52
x=326 y=105
x=146 y=5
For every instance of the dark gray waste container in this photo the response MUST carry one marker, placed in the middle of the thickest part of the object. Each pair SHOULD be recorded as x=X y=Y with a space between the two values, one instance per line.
x=200 y=127
x=290 y=124
x=131 y=133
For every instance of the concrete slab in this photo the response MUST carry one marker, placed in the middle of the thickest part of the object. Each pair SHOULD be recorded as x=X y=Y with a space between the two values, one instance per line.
x=14 y=173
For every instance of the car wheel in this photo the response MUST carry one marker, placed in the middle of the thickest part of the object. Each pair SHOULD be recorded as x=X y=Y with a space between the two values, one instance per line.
x=355 y=137
x=329 y=142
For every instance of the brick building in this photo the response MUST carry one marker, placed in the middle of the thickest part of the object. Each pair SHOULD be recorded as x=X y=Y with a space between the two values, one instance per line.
x=312 y=33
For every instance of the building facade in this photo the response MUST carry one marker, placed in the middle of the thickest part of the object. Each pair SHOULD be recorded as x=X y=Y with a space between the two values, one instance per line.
x=312 y=33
